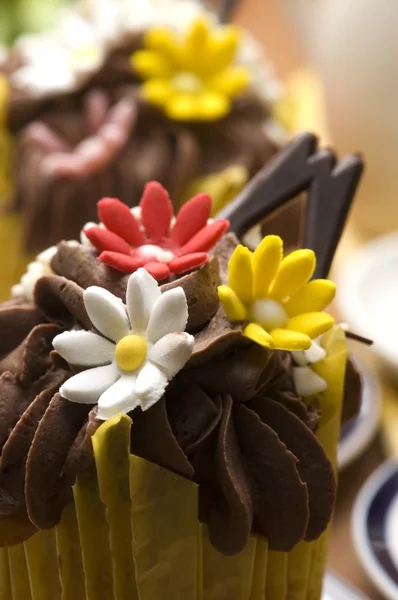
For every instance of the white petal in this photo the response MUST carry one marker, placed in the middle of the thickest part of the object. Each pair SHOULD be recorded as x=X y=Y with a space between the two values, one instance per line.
x=107 y=313
x=307 y=382
x=300 y=358
x=150 y=386
x=86 y=387
x=84 y=348
x=171 y=352
x=142 y=293
x=169 y=315
x=120 y=397
x=315 y=353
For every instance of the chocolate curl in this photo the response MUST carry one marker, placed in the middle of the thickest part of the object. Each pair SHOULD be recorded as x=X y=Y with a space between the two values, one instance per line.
x=301 y=166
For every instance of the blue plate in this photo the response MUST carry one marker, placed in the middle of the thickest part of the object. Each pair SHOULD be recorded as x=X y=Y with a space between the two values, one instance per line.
x=357 y=433
x=375 y=528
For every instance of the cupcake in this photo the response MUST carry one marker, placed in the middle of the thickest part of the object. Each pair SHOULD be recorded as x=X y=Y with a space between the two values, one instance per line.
x=122 y=93
x=171 y=401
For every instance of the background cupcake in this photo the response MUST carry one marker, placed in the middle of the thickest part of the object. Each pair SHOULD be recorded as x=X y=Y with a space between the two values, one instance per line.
x=90 y=120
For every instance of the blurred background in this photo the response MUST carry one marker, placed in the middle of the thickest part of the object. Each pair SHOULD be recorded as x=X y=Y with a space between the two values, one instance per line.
x=338 y=61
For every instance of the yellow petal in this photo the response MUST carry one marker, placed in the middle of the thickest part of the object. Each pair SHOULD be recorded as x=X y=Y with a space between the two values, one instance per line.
x=312 y=323
x=232 y=81
x=157 y=91
x=213 y=105
x=294 y=272
x=257 y=334
x=267 y=258
x=240 y=274
x=312 y=297
x=194 y=53
x=232 y=305
x=148 y=64
x=284 y=339
x=222 y=48
x=182 y=107
x=163 y=41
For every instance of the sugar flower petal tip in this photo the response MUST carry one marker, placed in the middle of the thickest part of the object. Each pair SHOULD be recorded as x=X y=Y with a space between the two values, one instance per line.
x=134 y=351
x=276 y=296
x=155 y=240
x=192 y=77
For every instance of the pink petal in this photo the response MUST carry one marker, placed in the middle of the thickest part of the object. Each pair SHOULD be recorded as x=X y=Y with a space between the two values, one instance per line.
x=206 y=238
x=157 y=211
x=158 y=270
x=120 y=262
x=117 y=217
x=103 y=240
x=191 y=218
x=188 y=262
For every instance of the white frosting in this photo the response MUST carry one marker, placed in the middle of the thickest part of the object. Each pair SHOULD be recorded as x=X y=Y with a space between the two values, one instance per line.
x=40 y=267
x=306 y=381
x=62 y=59
x=36 y=269
x=159 y=319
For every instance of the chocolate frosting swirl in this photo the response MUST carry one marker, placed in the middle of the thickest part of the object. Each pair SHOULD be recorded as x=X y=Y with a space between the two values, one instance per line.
x=230 y=420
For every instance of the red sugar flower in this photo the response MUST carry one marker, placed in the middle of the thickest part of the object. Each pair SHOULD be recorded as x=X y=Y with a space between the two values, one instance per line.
x=126 y=244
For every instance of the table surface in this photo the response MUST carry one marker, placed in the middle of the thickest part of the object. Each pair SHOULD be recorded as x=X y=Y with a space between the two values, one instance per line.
x=266 y=20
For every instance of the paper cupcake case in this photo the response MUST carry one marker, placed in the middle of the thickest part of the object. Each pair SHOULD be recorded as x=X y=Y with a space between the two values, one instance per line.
x=133 y=533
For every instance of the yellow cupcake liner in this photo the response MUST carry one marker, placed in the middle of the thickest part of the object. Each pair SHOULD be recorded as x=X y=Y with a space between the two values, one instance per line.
x=133 y=533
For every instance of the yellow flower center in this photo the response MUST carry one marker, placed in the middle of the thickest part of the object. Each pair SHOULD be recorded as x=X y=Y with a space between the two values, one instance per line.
x=269 y=313
x=130 y=352
x=187 y=83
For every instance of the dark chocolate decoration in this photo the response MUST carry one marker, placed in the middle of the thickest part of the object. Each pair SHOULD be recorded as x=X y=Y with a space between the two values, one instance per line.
x=358 y=338
x=313 y=465
x=226 y=10
x=300 y=166
x=280 y=498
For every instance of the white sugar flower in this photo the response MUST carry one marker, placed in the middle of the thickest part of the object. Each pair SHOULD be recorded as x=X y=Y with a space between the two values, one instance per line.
x=58 y=61
x=138 y=349
x=306 y=381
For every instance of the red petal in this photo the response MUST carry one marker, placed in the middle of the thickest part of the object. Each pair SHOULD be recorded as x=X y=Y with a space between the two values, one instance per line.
x=103 y=239
x=206 y=238
x=188 y=262
x=157 y=211
x=117 y=217
x=191 y=218
x=158 y=270
x=120 y=262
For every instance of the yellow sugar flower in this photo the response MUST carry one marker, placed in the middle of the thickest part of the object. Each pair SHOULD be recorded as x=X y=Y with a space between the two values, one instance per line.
x=275 y=295
x=191 y=78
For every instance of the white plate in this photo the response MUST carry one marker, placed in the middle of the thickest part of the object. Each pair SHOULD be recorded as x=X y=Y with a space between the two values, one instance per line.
x=375 y=528
x=367 y=295
x=337 y=589
x=357 y=433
